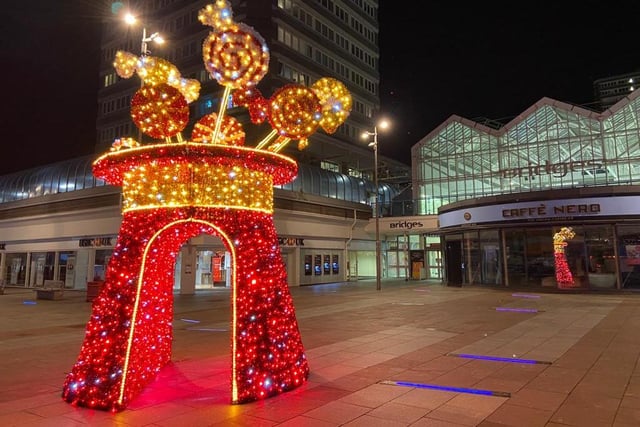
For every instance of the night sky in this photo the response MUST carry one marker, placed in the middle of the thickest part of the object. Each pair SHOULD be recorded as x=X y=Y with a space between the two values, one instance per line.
x=496 y=59
x=470 y=59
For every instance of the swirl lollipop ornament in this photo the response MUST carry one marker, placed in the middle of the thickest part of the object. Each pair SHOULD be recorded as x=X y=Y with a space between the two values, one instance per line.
x=176 y=190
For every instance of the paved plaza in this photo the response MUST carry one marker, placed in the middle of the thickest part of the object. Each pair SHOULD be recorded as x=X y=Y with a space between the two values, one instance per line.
x=415 y=353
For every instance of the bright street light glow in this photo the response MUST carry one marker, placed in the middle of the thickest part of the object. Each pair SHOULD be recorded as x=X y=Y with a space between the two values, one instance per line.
x=130 y=19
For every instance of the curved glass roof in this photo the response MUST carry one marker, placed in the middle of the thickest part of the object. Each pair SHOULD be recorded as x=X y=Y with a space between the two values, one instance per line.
x=76 y=174
x=552 y=145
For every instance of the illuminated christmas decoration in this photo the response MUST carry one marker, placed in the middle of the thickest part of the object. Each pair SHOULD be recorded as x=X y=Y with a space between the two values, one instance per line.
x=236 y=56
x=563 y=273
x=252 y=99
x=335 y=100
x=155 y=71
x=295 y=111
x=174 y=191
x=230 y=133
x=121 y=143
x=159 y=111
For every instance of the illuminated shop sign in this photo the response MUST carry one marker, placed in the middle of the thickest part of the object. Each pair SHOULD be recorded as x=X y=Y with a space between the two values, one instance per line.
x=558 y=170
x=95 y=242
x=543 y=210
x=566 y=209
x=290 y=241
x=405 y=225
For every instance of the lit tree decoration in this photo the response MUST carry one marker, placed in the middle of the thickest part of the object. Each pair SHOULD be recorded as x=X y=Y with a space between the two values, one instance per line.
x=176 y=191
x=563 y=273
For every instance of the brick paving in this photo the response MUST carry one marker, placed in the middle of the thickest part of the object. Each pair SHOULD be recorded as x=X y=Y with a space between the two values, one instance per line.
x=395 y=357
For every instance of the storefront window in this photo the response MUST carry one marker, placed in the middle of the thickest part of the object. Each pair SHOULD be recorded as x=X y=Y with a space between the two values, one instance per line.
x=433 y=257
x=398 y=256
x=601 y=261
x=629 y=256
x=102 y=261
x=42 y=268
x=67 y=268
x=540 y=259
x=491 y=260
x=16 y=269
x=472 y=265
x=515 y=253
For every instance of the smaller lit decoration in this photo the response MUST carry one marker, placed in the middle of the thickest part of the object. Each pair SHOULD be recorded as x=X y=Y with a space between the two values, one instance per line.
x=218 y=15
x=125 y=64
x=159 y=111
x=121 y=143
x=154 y=71
x=563 y=273
x=230 y=133
x=335 y=100
x=295 y=111
x=252 y=99
x=236 y=57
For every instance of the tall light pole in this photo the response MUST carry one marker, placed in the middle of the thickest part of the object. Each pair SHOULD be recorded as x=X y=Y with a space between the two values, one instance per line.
x=130 y=19
x=374 y=144
x=155 y=37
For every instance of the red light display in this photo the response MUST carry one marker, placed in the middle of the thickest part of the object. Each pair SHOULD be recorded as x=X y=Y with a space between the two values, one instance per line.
x=129 y=335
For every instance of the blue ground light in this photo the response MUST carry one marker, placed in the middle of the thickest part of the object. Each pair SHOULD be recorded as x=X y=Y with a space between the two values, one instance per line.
x=500 y=359
x=447 y=388
x=519 y=310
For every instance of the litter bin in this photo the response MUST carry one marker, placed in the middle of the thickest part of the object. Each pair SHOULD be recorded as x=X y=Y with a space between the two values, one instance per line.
x=93 y=289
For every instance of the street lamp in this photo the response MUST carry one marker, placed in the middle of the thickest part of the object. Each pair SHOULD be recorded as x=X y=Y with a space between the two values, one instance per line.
x=374 y=144
x=155 y=37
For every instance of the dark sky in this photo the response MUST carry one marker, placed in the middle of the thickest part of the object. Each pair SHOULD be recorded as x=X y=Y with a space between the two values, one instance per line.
x=496 y=59
x=471 y=59
x=49 y=51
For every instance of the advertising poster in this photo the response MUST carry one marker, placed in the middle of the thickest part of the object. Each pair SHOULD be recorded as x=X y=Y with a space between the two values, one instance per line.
x=70 y=272
x=633 y=254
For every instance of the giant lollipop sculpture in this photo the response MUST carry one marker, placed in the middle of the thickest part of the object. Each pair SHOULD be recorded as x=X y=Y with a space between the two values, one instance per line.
x=160 y=107
x=214 y=184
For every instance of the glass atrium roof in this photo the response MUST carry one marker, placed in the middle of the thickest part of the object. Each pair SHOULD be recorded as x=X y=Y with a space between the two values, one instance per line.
x=76 y=174
x=551 y=145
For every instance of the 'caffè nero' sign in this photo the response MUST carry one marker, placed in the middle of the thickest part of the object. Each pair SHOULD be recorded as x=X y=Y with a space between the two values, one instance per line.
x=566 y=209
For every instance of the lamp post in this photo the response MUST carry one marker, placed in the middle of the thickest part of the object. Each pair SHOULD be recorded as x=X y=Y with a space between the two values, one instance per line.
x=155 y=37
x=374 y=144
x=130 y=19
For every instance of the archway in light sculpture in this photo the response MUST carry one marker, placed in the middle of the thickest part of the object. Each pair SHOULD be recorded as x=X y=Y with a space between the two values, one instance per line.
x=129 y=335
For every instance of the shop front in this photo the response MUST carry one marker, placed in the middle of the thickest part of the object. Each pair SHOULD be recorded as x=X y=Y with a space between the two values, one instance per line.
x=410 y=247
x=73 y=261
x=587 y=243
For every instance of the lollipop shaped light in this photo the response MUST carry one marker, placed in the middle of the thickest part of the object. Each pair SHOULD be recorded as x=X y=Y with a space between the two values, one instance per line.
x=335 y=100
